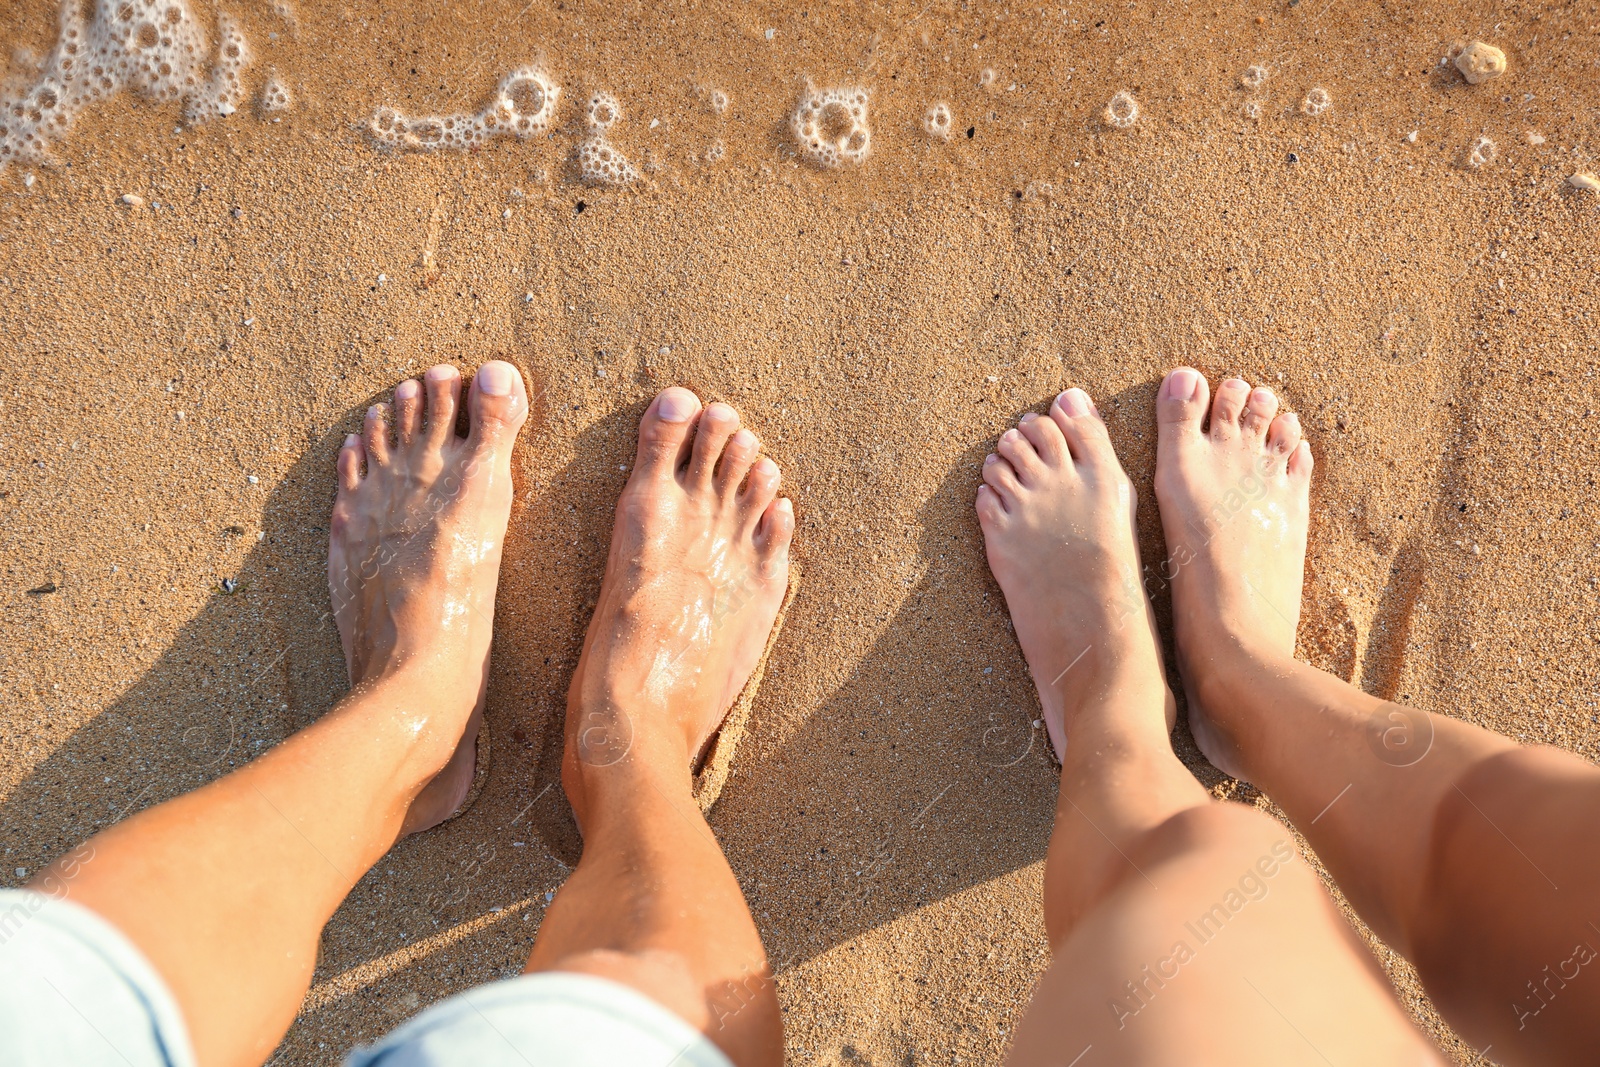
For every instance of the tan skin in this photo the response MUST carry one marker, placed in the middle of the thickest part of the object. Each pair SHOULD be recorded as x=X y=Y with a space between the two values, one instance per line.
x=226 y=889
x=1442 y=840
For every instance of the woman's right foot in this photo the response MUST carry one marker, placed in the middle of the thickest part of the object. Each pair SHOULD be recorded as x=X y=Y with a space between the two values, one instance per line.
x=1235 y=505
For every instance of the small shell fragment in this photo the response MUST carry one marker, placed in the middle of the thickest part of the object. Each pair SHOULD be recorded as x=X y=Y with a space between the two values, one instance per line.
x=1584 y=182
x=131 y=200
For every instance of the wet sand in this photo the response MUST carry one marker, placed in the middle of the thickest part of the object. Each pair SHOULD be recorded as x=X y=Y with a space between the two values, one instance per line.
x=181 y=372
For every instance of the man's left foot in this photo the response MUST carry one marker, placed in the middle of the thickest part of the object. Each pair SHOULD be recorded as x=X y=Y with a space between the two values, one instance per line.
x=414 y=557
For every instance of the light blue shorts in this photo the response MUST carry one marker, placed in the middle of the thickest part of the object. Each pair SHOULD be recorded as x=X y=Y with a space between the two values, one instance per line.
x=74 y=990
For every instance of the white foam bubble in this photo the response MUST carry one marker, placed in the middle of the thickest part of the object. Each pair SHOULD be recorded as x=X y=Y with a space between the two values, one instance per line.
x=1254 y=76
x=1317 y=101
x=275 y=95
x=719 y=101
x=1482 y=152
x=156 y=48
x=715 y=151
x=1122 y=111
x=523 y=105
x=830 y=126
x=600 y=163
x=937 y=122
x=223 y=92
x=603 y=111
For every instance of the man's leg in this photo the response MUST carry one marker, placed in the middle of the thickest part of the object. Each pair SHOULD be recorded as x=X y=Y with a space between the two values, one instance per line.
x=1184 y=931
x=697 y=572
x=1471 y=855
x=226 y=889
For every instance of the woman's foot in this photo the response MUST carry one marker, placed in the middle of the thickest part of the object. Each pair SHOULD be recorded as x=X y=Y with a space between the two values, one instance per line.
x=414 y=556
x=697 y=571
x=1057 y=517
x=1235 y=501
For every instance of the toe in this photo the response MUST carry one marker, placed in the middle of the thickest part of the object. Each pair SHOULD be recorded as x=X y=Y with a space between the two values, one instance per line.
x=760 y=488
x=741 y=451
x=1228 y=406
x=1045 y=437
x=1284 y=434
x=349 y=464
x=443 y=386
x=991 y=509
x=717 y=423
x=772 y=537
x=407 y=411
x=1080 y=424
x=1181 y=404
x=1300 y=463
x=375 y=434
x=1000 y=476
x=1259 y=409
x=664 y=433
x=1019 y=453
x=497 y=406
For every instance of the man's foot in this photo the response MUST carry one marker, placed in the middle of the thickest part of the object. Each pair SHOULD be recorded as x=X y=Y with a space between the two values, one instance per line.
x=1057 y=517
x=1235 y=501
x=414 y=555
x=698 y=567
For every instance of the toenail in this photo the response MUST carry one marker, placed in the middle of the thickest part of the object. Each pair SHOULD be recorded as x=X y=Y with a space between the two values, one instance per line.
x=351 y=440
x=375 y=413
x=1029 y=417
x=494 y=379
x=1183 y=384
x=440 y=373
x=675 y=407
x=1074 y=402
x=1261 y=396
x=406 y=390
x=990 y=458
x=744 y=439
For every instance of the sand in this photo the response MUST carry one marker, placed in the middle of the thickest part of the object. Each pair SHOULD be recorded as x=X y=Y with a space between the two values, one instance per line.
x=180 y=372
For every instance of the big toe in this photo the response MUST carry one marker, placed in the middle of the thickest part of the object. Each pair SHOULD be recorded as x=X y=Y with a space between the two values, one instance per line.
x=498 y=405
x=664 y=433
x=1181 y=404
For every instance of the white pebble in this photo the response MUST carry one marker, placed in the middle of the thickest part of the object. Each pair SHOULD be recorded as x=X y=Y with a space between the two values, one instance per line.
x=1478 y=62
x=1535 y=138
x=252 y=479
x=22 y=872
x=131 y=200
x=27 y=181
x=1585 y=181
x=1411 y=138
x=771 y=33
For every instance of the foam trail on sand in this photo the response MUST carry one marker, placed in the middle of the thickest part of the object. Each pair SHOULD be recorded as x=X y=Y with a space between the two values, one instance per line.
x=156 y=48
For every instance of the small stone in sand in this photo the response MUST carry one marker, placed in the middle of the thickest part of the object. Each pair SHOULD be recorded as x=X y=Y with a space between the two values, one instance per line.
x=131 y=200
x=1535 y=138
x=1585 y=182
x=1478 y=62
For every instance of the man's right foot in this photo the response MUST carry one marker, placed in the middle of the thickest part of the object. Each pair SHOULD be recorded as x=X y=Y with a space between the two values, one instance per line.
x=1235 y=504
x=697 y=572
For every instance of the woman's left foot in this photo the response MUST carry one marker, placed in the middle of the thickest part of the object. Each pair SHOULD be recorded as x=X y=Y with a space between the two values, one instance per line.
x=1057 y=517
x=414 y=556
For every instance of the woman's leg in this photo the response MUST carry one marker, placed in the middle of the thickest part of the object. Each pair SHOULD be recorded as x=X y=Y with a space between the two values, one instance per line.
x=1184 y=931
x=697 y=572
x=226 y=889
x=1471 y=855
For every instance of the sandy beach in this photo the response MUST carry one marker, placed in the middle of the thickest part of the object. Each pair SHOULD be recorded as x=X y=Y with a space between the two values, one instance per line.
x=193 y=314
